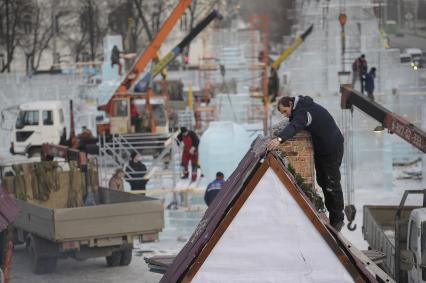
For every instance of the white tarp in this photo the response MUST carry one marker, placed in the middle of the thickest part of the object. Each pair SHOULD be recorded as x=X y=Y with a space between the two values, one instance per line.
x=272 y=240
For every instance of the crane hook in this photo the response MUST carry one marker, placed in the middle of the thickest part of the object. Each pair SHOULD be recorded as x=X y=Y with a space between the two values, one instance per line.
x=350 y=211
x=351 y=226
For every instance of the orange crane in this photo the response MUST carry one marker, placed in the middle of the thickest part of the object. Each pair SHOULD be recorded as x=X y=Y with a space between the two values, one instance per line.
x=119 y=105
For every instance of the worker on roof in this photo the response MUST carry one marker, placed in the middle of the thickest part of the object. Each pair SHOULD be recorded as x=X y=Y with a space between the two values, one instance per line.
x=190 y=152
x=213 y=188
x=305 y=114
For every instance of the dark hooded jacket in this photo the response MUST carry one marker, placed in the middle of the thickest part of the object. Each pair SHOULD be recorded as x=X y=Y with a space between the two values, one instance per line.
x=369 y=81
x=310 y=116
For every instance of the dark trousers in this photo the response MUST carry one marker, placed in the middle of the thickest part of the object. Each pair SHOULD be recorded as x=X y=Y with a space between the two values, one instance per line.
x=327 y=167
x=186 y=157
x=138 y=184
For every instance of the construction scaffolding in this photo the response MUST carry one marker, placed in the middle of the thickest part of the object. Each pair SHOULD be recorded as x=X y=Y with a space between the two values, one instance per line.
x=159 y=153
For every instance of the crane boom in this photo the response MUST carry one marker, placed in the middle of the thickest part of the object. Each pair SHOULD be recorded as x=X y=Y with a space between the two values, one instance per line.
x=163 y=62
x=391 y=121
x=150 y=52
x=276 y=64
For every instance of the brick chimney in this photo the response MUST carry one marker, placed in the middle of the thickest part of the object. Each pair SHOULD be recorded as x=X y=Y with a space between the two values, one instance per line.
x=300 y=153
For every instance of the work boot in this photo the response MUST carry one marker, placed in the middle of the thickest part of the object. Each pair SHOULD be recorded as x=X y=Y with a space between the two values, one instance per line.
x=194 y=176
x=338 y=226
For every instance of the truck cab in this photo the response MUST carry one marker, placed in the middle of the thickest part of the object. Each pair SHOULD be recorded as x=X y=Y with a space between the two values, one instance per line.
x=37 y=123
x=416 y=57
x=416 y=245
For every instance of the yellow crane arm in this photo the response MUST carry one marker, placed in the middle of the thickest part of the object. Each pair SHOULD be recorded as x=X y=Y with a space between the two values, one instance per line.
x=276 y=64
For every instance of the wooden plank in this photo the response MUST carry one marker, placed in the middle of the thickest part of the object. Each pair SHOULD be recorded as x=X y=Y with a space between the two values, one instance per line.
x=160 y=260
x=376 y=256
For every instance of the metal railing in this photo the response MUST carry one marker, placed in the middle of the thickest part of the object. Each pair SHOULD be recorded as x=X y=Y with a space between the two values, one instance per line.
x=159 y=153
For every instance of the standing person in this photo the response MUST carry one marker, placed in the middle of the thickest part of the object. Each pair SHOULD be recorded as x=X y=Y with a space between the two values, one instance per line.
x=115 y=59
x=86 y=133
x=190 y=152
x=327 y=140
x=213 y=188
x=359 y=70
x=369 y=83
x=136 y=170
x=117 y=180
x=363 y=68
x=355 y=73
x=134 y=117
x=84 y=138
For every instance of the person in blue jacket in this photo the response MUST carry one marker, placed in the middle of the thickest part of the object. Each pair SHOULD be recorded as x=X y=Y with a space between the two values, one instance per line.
x=369 y=83
x=213 y=188
x=327 y=140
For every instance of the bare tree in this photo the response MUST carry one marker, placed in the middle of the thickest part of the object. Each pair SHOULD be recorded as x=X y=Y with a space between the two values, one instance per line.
x=142 y=17
x=192 y=14
x=38 y=34
x=10 y=29
x=156 y=16
x=122 y=20
x=89 y=19
x=81 y=28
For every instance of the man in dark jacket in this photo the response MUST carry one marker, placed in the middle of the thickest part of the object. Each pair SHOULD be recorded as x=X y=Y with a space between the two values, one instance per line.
x=213 y=188
x=190 y=152
x=136 y=170
x=305 y=114
x=369 y=83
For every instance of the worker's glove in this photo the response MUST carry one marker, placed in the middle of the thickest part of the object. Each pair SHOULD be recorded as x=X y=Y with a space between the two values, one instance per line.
x=273 y=144
x=192 y=151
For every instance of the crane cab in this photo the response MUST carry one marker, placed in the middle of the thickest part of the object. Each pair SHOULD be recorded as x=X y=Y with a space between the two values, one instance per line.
x=120 y=116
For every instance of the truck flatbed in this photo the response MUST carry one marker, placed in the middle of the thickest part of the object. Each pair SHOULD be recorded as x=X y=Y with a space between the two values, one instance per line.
x=125 y=214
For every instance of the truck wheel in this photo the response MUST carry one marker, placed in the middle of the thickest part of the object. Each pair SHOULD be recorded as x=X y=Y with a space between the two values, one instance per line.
x=126 y=257
x=114 y=259
x=39 y=264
